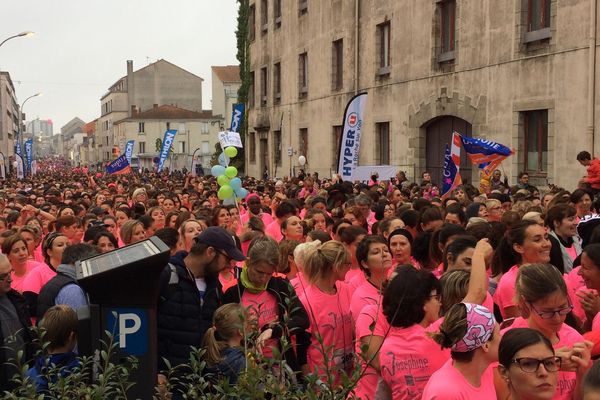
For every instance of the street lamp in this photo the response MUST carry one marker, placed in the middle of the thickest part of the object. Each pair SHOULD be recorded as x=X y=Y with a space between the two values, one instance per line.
x=20 y=138
x=22 y=34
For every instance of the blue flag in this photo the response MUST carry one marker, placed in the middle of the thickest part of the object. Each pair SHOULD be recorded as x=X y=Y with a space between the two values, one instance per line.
x=129 y=150
x=118 y=166
x=487 y=155
x=237 y=116
x=166 y=147
x=29 y=153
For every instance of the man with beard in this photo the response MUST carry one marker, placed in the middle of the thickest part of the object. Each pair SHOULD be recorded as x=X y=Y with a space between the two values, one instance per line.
x=190 y=293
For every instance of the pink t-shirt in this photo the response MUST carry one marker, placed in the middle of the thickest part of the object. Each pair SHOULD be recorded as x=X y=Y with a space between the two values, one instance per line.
x=355 y=278
x=439 y=387
x=574 y=284
x=370 y=321
x=488 y=302
x=567 y=336
x=365 y=294
x=408 y=358
x=299 y=282
x=18 y=281
x=263 y=307
x=266 y=218
x=505 y=293
x=37 y=278
x=330 y=318
x=596 y=323
x=38 y=255
x=274 y=230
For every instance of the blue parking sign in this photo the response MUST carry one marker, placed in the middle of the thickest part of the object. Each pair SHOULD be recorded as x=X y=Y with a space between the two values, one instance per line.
x=129 y=327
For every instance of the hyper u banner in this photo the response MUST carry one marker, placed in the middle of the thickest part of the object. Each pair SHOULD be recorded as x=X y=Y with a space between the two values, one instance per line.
x=129 y=150
x=2 y=166
x=166 y=147
x=237 y=116
x=29 y=153
x=350 y=143
x=119 y=166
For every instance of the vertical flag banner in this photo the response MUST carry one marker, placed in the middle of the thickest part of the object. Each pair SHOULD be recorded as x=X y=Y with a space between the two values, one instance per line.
x=487 y=155
x=29 y=153
x=451 y=179
x=17 y=147
x=119 y=166
x=2 y=166
x=19 y=162
x=237 y=116
x=350 y=143
x=129 y=150
x=166 y=147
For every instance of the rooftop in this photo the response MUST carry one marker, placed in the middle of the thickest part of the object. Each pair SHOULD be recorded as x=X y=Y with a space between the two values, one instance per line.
x=227 y=73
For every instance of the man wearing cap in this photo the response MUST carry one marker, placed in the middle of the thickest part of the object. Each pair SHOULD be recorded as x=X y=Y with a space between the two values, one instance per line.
x=190 y=293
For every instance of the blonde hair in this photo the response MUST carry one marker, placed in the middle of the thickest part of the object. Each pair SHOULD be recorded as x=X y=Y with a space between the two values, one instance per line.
x=325 y=260
x=302 y=250
x=263 y=249
x=228 y=321
x=126 y=231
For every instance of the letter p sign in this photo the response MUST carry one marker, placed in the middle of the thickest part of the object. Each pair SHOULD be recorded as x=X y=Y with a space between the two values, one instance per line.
x=129 y=327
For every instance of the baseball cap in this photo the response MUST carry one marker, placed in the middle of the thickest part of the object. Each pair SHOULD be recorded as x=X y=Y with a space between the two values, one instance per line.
x=220 y=239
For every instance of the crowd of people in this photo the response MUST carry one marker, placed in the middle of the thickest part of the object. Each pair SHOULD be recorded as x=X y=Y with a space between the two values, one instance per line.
x=490 y=292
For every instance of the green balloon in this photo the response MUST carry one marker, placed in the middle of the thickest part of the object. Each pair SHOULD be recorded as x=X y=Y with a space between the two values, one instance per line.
x=222 y=180
x=231 y=172
x=231 y=151
x=225 y=192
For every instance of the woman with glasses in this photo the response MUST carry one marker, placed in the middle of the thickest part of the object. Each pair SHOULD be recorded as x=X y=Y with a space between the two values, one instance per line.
x=270 y=300
x=528 y=366
x=545 y=304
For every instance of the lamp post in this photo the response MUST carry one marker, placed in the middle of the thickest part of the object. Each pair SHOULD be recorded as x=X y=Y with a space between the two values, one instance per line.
x=21 y=122
x=22 y=34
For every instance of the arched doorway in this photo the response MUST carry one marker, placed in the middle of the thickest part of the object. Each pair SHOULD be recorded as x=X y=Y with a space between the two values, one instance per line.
x=439 y=132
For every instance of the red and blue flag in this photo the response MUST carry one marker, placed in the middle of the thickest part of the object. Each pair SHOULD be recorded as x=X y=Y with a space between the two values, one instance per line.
x=451 y=179
x=119 y=166
x=487 y=155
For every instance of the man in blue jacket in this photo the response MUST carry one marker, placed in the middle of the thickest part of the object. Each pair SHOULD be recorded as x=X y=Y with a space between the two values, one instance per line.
x=191 y=293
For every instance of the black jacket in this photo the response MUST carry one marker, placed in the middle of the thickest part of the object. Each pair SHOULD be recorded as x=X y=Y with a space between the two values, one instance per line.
x=183 y=317
x=6 y=372
x=290 y=308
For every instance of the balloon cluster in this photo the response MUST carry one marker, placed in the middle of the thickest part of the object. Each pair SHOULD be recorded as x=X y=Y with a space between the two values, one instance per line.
x=230 y=185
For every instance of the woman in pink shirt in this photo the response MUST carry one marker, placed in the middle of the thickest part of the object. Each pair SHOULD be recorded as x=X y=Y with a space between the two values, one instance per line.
x=350 y=237
x=544 y=303
x=400 y=241
x=15 y=248
x=327 y=301
x=590 y=273
x=472 y=335
x=527 y=242
x=562 y=222
x=408 y=356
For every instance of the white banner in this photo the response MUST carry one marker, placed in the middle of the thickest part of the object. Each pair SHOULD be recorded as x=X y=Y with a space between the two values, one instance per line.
x=2 y=166
x=20 y=166
x=34 y=167
x=228 y=138
x=363 y=172
x=350 y=143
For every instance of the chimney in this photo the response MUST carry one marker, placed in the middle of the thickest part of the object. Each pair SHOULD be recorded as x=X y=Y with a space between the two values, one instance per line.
x=130 y=86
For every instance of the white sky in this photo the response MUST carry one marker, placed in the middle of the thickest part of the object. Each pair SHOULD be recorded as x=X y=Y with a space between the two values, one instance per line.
x=81 y=47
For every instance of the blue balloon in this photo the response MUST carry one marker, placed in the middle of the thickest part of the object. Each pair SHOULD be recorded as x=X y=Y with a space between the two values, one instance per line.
x=235 y=183
x=223 y=159
x=217 y=170
x=230 y=201
x=241 y=193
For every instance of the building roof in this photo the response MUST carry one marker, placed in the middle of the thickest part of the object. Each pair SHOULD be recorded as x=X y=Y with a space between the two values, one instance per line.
x=227 y=73
x=168 y=111
x=90 y=127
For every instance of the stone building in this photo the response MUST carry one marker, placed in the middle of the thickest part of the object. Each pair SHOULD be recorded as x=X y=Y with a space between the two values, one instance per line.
x=158 y=83
x=225 y=85
x=519 y=72
x=9 y=116
x=196 y=135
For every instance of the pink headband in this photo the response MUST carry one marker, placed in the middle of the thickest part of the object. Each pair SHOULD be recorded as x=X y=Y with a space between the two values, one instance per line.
x=480 y=327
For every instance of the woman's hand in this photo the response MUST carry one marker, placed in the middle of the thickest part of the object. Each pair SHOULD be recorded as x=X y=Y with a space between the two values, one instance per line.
x=263 y=337
x=590 y=301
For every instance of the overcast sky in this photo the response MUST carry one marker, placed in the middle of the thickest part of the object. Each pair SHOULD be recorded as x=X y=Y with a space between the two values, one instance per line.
x=81 y=47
